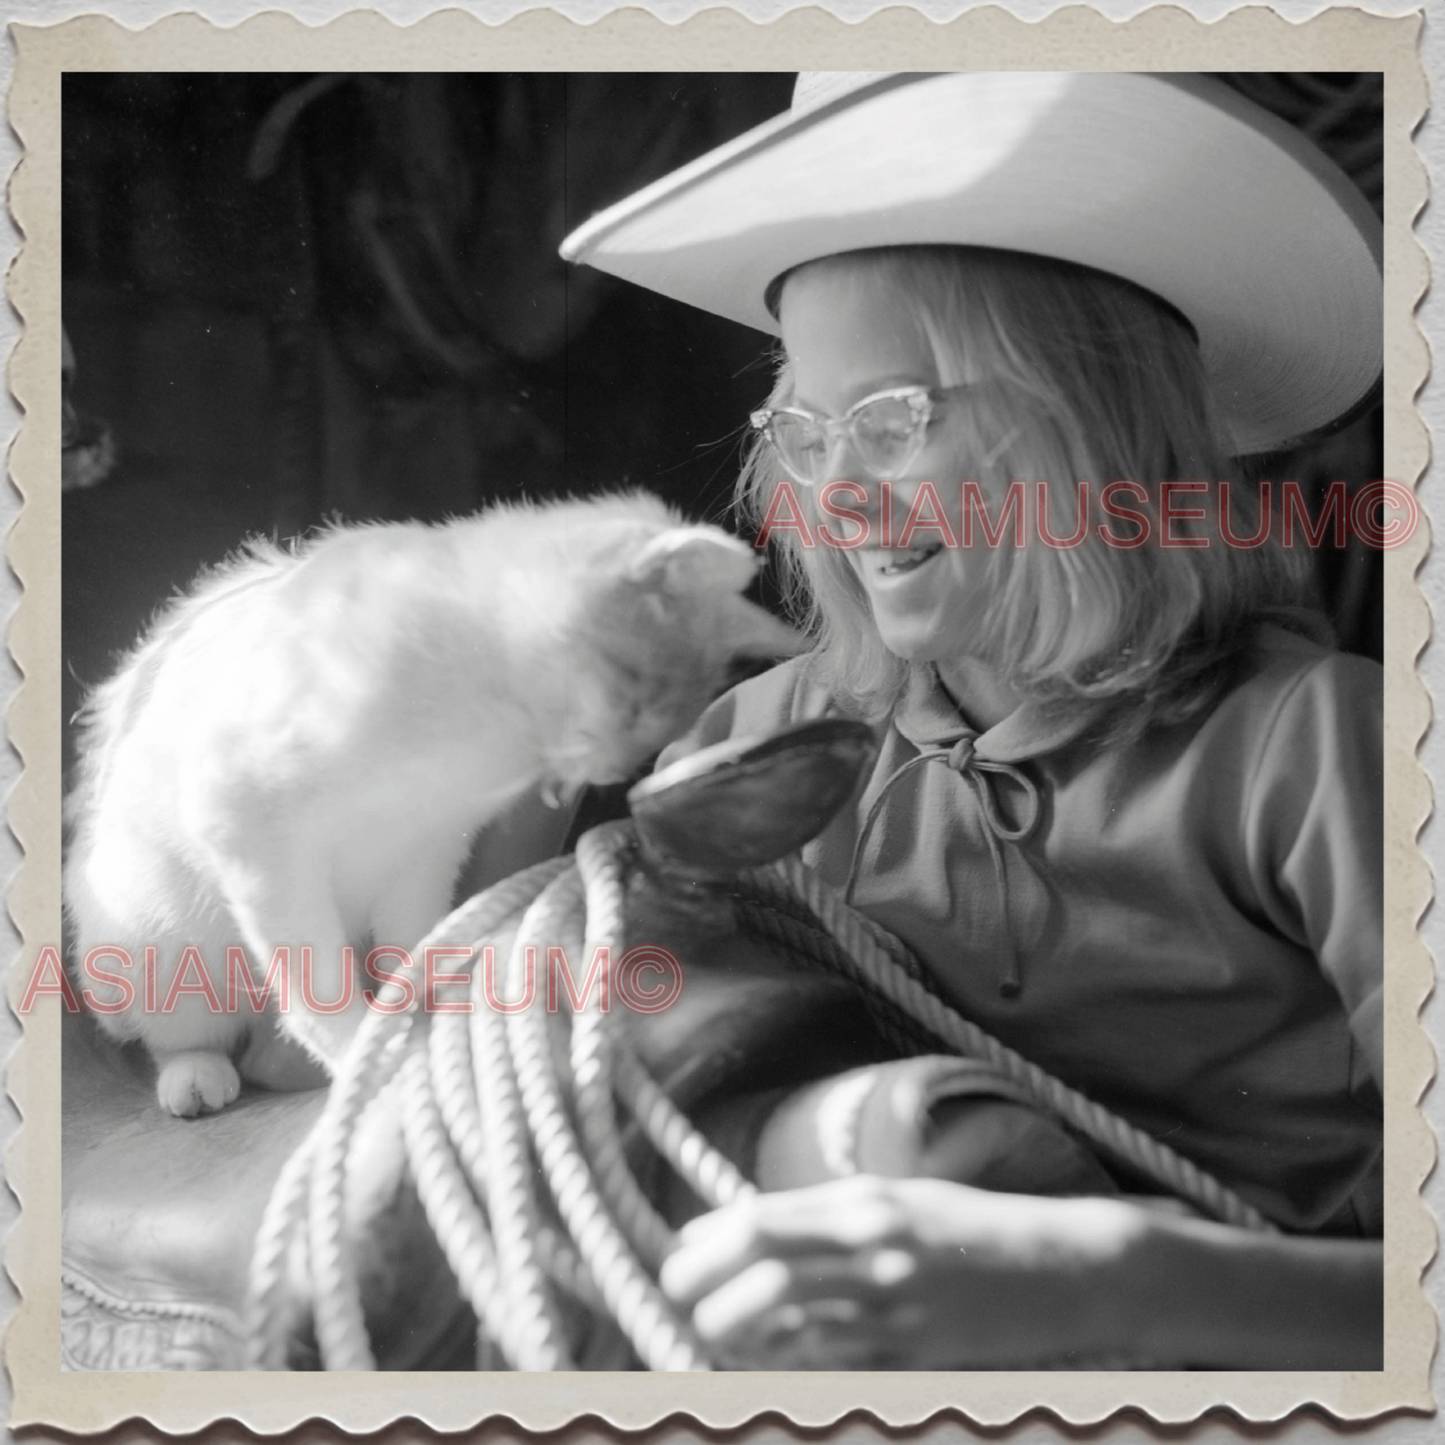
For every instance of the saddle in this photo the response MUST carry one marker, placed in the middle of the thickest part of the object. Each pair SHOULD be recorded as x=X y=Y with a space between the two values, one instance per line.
x=789 y=1069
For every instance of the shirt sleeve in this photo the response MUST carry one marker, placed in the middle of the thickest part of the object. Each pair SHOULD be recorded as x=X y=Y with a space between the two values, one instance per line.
x=1314 y=820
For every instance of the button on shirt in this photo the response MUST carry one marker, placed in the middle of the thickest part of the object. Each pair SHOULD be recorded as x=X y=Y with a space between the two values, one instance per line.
x=1187 y=927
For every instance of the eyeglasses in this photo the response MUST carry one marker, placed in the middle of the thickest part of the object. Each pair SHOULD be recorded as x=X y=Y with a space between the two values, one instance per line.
x=886 y=430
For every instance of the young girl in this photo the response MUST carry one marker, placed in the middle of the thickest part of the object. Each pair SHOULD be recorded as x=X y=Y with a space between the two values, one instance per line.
x=1127 y=807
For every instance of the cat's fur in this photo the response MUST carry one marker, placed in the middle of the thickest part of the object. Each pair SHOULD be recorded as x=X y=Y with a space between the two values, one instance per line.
x=303 y=747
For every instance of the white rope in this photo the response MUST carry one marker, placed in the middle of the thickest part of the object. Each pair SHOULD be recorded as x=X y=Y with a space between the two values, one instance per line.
x=535 y=1336
x=600 y=862
x=266 y=1321
x=660 y=1339
x=709 y=1173
x=451 y=1209
x=284 y=1231
x=303 y=1217
x=483 y=1108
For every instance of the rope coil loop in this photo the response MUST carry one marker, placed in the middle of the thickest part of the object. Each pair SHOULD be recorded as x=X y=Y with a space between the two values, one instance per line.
x=485 y=1115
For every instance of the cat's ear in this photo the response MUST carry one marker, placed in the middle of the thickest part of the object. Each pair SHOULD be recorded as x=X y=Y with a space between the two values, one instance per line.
x=697 y=560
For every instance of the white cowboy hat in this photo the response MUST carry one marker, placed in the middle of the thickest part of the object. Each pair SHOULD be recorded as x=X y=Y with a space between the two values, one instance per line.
x=1174 y=182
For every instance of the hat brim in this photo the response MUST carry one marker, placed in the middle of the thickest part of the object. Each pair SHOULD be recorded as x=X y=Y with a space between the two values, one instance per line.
x=1173 y=182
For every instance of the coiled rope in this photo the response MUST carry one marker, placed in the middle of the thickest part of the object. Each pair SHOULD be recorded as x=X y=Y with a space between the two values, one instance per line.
x=483 y=1109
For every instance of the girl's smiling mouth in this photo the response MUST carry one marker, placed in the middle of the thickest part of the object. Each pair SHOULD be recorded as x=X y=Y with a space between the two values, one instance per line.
x=893 y=563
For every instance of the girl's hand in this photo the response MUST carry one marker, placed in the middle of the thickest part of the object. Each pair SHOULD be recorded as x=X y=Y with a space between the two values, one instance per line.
x=870 y=1273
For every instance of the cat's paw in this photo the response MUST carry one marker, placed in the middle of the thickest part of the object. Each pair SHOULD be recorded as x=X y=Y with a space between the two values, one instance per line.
x=199 y=1082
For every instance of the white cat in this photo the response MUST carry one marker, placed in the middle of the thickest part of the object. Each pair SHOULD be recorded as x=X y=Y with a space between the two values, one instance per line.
x=302 y=749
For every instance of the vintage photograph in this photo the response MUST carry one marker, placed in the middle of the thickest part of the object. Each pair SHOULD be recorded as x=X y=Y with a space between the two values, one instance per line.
x=393 y=537
x=724 y=722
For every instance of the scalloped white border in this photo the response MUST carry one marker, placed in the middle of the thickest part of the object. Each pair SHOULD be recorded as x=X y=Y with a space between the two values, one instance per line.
x=1258 y=39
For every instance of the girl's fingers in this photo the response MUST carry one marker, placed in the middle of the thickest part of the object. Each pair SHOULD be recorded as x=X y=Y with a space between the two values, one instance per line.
x=844 y=1217
x=879 y=1272
x=734 y=1239
x=705 y=1258
x=740 y=1302
x=833 y=1331
x=832 y=1292
x=827 y=1334
x=852 y=1208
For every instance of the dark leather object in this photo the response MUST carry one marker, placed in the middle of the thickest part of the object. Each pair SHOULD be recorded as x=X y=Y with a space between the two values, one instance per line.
x=748 y=1016
x=745 y=801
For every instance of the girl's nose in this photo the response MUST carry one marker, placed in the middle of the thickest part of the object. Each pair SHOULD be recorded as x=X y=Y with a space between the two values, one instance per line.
x=879 y=505
x=845 y=465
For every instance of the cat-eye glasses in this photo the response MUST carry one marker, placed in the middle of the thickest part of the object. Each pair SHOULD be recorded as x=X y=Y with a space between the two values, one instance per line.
x=886 y=430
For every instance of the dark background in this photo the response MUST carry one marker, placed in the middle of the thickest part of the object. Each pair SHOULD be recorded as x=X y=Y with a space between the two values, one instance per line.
x=296 y=297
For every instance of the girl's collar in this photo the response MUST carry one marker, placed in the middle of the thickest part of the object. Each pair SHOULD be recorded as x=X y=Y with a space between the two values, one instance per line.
x=927 y=717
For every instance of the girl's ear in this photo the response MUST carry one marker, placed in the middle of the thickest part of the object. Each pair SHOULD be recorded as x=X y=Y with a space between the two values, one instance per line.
x=694 y=560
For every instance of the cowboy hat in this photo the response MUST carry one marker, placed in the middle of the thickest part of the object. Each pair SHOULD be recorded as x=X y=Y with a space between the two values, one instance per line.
x=1174 y=182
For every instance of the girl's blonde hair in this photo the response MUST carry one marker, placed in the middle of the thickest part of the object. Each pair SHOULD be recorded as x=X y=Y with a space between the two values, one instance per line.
x=1086 y=378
